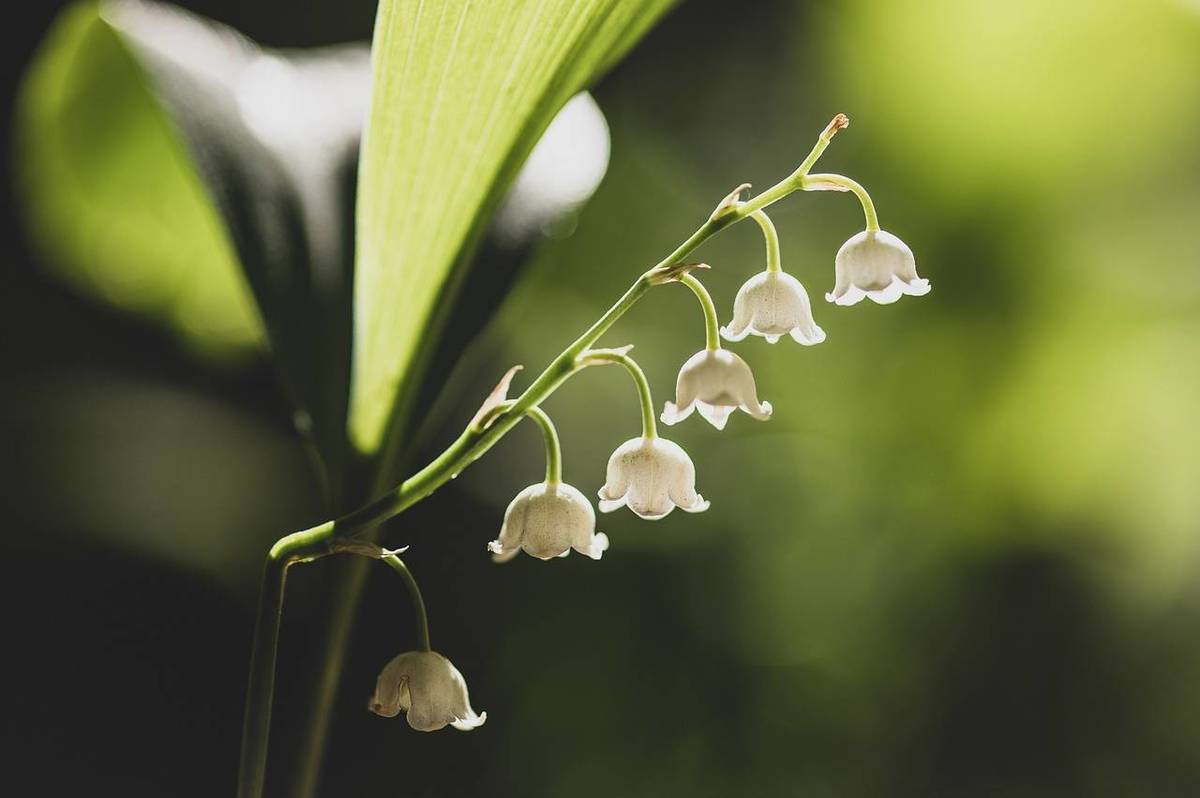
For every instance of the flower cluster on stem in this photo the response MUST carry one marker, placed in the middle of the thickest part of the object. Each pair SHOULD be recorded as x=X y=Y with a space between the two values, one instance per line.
x=648 y=474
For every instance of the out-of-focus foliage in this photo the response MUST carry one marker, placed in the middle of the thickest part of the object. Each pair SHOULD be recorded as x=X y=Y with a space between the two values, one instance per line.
x=462 y=92
x=150 y=131
x=1071 y=132
x=185 y=480
x=170 y=162
x=1024 y=431
x=112 y=195
x=961 y=559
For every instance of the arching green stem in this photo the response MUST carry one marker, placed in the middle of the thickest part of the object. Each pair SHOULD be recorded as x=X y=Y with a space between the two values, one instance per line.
x=617 y=356
x=474 y=441
x=839 y=121
x=814 y=183
x=793 y=181
x=418 y=601
x=553 y=448
x=772 y=239
x=712 y=337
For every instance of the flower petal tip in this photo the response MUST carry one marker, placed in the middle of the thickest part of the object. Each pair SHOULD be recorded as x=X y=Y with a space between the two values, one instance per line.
x=469 y=723
x=610 y=505
x=671 y=413
x=598 y=547
x=763 y=413
x=733 y=336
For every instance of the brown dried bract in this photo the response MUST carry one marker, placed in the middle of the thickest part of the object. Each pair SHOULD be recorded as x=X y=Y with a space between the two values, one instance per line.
x=730 y=202
x=362 y=548
x=669 y=274
x=484 y=416
x=821 y=185
x=602 y=357
x=837 y=123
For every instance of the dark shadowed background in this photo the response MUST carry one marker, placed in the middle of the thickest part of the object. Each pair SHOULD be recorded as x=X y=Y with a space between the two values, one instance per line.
x=962 y=559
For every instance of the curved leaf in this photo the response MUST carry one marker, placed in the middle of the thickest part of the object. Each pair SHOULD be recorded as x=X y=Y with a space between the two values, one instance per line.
x=90 y=133
x=185 y=150
x=178 y=170
x=462 y=91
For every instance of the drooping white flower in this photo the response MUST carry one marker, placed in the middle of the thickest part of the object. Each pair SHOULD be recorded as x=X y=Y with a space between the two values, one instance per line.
x=876 y=265
x=716 y=382
x=428 y=689
x=773 y=304
x=651 y=476
x=548 y=520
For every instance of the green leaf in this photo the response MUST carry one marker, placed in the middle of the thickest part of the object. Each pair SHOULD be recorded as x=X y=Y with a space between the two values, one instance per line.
x=89 y=134
x=462 y=91
x=161 y=151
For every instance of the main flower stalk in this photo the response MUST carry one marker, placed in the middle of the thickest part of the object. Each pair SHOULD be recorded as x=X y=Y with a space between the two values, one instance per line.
x=474 y=442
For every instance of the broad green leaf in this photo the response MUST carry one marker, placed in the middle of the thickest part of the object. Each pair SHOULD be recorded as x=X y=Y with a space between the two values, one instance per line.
x=111 y=195
x=177 y=170
x=462 y=90
x=169 y=162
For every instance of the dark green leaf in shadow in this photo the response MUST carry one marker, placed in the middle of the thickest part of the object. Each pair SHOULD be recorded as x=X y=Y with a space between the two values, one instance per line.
x=178 y=170
x=111 y=196
x=138 y=118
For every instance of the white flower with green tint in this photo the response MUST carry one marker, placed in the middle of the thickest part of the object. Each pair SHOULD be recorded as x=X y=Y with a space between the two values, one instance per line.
x=548 y=520
x=428 y=689
x=651 y=476
x=773 y=304
x=875 y=265
x=715 y=382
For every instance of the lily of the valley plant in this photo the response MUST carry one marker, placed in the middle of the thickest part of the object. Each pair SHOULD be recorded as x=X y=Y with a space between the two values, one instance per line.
x=648 y=474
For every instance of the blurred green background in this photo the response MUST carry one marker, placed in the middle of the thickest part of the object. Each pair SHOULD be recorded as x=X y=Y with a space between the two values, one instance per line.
x=961 y=559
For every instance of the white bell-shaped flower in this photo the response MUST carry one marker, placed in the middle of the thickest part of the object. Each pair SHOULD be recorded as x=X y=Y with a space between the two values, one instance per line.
x=773 y=304
x=651 y=476
x=428 y=689
x=548 y=520
x=876 y=265
x=716 y=382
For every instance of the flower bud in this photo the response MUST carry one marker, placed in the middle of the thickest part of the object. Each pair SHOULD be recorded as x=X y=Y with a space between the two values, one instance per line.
x=652 y=476
x=548 y=520
x=716 y=382
x=773 y=304
x=428 y=689
x=876 y=265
